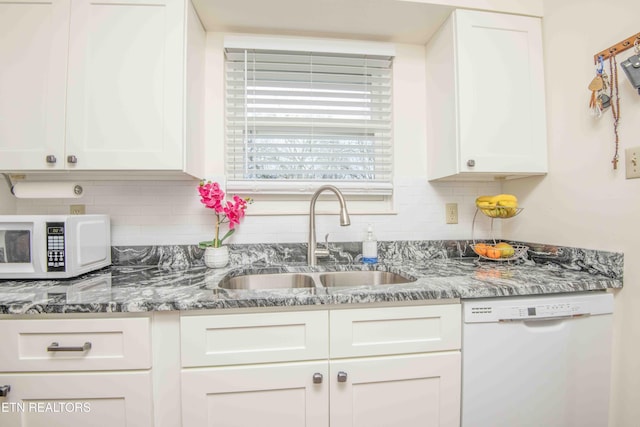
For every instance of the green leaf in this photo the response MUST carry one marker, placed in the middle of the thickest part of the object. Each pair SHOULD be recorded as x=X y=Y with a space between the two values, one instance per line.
x=229 y=233
x=207 y=244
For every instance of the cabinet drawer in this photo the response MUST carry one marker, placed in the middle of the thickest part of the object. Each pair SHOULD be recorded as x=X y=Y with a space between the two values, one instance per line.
x=253 y=338
x=116 y=344
x=395 y=330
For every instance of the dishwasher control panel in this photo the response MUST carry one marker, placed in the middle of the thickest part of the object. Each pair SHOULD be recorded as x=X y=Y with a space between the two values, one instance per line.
x=491 y=313
x=536 y=311
x=534 y=308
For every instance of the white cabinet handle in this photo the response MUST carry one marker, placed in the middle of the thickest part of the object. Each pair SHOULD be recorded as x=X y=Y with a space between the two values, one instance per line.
x=56 y=347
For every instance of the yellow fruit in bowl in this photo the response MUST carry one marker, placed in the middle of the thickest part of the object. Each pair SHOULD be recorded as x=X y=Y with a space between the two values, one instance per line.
x=506 y=250
x=499 y=206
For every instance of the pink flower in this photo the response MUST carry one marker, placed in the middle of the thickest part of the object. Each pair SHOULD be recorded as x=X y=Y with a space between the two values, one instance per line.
x=212 y=196
x=235 y=211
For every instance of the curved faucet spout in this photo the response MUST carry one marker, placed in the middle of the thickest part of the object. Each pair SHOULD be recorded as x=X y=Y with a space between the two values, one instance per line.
x=312 y=251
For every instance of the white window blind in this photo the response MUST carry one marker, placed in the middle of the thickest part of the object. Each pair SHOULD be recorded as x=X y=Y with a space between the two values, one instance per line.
x=296 y=119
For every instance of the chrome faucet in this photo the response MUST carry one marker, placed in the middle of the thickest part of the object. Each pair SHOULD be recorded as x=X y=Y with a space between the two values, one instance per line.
x=312 y=252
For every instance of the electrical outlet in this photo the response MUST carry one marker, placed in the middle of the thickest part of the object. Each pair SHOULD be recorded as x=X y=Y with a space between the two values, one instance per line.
x=632 y=162
x=451 y=210
x=76 y=210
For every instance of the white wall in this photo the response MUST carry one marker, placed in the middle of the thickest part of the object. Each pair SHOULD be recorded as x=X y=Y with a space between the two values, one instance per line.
x=582 y=201
x=165 y=212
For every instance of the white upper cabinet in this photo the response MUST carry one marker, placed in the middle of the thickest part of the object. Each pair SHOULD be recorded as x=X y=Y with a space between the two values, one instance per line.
x=121 y=66
x=485 y=97
x=33 y=72
x=125 y=84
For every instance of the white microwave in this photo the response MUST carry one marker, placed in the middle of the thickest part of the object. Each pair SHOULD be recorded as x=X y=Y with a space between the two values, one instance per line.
x=53 y=246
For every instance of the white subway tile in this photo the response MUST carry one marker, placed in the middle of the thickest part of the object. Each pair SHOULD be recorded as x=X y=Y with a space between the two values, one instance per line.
x=170 y=212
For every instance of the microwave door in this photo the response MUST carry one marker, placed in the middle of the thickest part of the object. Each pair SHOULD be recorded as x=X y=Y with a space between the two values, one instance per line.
x=17 y=258
x=17 y=246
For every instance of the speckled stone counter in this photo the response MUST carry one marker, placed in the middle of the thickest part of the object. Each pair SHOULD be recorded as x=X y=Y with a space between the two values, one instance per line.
x=146 y=279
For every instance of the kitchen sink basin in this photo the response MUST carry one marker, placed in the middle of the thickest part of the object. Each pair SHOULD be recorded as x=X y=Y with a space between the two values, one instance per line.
x=329 y=279
x=268 y=281
x=362 y=278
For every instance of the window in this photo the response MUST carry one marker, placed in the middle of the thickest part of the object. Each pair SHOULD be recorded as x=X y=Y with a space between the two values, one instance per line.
x=295 y=119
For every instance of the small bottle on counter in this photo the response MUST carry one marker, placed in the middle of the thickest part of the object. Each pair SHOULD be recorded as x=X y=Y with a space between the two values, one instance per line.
x=370 y=247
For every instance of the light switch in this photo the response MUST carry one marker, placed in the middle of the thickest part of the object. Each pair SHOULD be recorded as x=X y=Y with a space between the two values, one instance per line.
x=632 y=162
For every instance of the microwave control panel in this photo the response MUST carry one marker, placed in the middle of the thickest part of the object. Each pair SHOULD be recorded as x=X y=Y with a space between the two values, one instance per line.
x=55 y=246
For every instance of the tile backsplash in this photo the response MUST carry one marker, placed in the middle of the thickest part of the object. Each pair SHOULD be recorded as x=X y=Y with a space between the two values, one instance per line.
x=170 y=212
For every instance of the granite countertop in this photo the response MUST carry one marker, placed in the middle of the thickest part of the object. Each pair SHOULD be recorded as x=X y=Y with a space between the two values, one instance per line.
x=152 y=280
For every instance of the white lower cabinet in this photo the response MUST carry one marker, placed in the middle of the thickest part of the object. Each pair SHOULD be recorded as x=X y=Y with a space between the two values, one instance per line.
x=282 y=395
x=409 y=391
x=76 y=373
x=362 y=367
x=355 y=367
x=77 y=399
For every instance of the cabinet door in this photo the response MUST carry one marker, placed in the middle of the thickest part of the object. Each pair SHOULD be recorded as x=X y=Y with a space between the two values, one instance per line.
x=408 y=391
x=77 y=400
x=282 y=395
x=33 y=54
x=501 y=93
x=125 y=91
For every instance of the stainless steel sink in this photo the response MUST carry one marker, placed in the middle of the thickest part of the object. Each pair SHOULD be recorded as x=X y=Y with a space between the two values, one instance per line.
x=268 y=281
x=329 y=279
x=362 y=278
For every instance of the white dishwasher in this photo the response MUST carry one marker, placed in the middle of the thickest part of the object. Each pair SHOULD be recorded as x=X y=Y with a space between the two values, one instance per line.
x=542 y=361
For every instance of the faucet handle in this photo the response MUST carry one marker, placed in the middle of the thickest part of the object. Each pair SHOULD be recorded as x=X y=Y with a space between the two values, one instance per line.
x=323 y=253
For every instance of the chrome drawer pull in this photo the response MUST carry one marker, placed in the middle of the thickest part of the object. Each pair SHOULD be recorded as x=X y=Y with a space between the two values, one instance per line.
x=317 y=378
x=342 y=377
x=56 y=347
x=4 y=390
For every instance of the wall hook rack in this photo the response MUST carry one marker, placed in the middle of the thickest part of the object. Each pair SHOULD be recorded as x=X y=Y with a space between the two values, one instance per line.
x=617 y=48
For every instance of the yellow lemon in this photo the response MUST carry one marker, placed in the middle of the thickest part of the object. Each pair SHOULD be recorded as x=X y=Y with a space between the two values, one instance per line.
x=506 y=250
